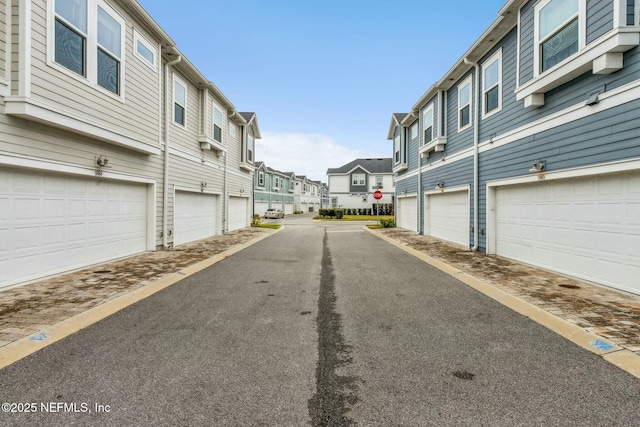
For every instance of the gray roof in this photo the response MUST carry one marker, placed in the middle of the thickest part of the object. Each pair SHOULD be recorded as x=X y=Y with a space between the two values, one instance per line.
x=247 y=116
x=370 y=165
x=400 y=116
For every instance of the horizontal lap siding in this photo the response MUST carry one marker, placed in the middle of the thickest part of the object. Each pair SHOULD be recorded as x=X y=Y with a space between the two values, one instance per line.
x=612 y=135
x=3 y=40
x=526 y=42
x=456 y=174
x=458 y=141
x=408 y=186
x=599 y=19
x=136 y=117
x=413 y=146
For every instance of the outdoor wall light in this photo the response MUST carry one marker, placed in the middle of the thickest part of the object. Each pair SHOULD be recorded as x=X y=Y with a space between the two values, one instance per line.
x=203 y=184
x=439 y=185
x=537 y=166
x=593 y=99
x=102 y=161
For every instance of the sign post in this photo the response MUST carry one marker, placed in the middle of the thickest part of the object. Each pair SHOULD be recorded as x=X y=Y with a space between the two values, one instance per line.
x=377 y=195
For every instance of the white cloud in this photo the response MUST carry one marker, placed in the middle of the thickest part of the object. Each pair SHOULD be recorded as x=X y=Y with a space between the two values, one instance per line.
x=304 y=154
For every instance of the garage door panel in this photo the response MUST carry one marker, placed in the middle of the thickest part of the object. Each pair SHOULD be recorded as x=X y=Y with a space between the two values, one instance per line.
x=238 y=213
x=195 y=216
x=447 y=216
x=408 y=215
x=587 y=228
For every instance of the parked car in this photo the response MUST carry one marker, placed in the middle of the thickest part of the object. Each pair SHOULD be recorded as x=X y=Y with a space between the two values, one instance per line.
x=273 y=213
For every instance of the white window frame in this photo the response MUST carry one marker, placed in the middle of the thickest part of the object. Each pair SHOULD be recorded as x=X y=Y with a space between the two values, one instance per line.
x=138 y=38
x=232 y=129
x=355 y=179
x=251 y=147
x=397 y=159
x=428 y=112
x=214 y=125
x=463 y=84
x=379 y=181
x=497 y=56
x=537 y=43
x=413 y=130
x=260 y=179
x=178 y=80
x=90 y=77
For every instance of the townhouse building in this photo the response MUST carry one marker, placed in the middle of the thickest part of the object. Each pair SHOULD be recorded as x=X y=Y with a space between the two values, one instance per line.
x=352 y=185
x=273 y=189
x=307 y=195
x=111 y=142
x=529 y=146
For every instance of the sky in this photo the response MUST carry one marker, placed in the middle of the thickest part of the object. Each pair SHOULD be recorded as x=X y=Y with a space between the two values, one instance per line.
x=323 y=76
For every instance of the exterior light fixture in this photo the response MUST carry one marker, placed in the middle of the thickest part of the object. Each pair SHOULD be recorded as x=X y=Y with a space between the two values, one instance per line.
x=537 y=166
x=439 y=185
x=592 y=99
x=102 y=161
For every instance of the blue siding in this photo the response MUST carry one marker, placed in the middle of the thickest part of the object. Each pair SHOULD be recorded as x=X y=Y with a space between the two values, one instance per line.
x=409 y=185
x=454 y=175
x=458 y=141
x=526 y=42
x=413 y=147
x=599 y=19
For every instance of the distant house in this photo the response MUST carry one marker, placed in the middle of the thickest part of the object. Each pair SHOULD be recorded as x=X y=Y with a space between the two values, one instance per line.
x=352 y=185
x=272 y=189
x=529 y=146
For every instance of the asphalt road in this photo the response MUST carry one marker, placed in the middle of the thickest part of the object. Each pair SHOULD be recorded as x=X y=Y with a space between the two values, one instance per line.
x=321 y=324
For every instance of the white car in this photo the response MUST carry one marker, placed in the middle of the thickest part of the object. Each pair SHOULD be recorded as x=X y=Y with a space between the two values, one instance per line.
x=273 y=213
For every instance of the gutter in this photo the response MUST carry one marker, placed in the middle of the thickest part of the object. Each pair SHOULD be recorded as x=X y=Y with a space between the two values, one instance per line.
x=165 y=194
x=476 y=137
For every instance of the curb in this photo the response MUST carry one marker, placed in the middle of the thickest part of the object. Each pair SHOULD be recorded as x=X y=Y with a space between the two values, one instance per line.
x=614 y=354
x=22 y=348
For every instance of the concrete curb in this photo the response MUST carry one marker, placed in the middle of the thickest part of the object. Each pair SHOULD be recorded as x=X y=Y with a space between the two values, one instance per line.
x=17 y=350
x=624 y=359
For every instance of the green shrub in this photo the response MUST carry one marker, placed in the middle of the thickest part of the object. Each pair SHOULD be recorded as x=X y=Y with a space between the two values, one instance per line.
x=388 y=223
x=255 y=222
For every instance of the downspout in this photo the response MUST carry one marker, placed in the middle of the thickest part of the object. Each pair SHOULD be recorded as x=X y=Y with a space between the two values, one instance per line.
x=225 y=217
x=476 y=137
x=165 y=194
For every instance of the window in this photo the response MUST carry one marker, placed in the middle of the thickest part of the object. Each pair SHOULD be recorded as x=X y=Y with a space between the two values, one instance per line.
x=261 y=179
x=276 y=182
x=558 y=31
x=144 y=50
x=378 y=182
x=179 y=102
x=464 y=104
x=334 y=202
x=250 y=146
x=232 y=130
x=217 y=124
x=358 y=179
x=492 y=84
x=396 y=148
x=414 y=130
x=88 y=38
x=427 y=124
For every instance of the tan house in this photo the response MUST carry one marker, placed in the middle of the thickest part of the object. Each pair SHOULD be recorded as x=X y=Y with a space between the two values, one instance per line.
x=111 y=142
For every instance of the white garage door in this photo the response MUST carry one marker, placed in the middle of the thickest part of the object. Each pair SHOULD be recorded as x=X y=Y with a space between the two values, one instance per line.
x=52 y=223
x=196 y=216
x=288 y=208
x=238 y=215
x=447 y=216
x=588 y=227
x=408 y=213
x=260 y=208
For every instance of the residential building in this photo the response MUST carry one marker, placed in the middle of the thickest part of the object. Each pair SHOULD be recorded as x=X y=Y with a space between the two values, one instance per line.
x=272 y=189
x=111 y=142
x=529 y=146
x=352 y=185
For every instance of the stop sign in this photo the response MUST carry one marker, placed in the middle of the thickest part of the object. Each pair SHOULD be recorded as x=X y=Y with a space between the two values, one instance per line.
x=377 y=194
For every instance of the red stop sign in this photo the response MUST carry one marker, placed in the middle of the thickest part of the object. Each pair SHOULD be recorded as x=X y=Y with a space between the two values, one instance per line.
x=377 y=194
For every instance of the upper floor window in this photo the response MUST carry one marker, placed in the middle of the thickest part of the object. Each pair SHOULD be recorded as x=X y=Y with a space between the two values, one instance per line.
x=179 y=102
x=217 y=124
x=413 y=130
x=261 y=179
x=250 y=146
x=396 y=148
x=144 y=50
x=464 y=104
x=378 y=182
x=492 y=84
x=358 y=179
x=427 y=124
x=557 y=31
x=88 y=38
x=276 y=182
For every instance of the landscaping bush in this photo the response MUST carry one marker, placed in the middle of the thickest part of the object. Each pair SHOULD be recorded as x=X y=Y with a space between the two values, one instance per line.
x=388 y=223
x=256 y=220
x=339 y=213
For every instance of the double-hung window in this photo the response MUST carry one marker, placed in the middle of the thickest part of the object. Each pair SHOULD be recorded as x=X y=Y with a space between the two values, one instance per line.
x=464 y=104
x=557 y=31
x=396 y=148
x=357 y=179
x=378 y=182
x=88 y=37
x=250 y=146
x=261 y=179
x=217 y=124
x=427 y=124
x=492 y=84
x=179 y=102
